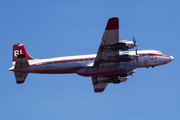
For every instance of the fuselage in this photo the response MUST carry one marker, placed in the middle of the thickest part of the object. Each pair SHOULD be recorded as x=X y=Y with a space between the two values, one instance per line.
x=107 y=66
x=72 y=64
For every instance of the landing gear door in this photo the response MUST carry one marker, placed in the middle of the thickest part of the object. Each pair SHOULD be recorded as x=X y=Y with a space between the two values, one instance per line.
x=146 y=63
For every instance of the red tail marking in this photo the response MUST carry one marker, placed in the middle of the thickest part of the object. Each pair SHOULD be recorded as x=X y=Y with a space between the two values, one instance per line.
x=20 y=49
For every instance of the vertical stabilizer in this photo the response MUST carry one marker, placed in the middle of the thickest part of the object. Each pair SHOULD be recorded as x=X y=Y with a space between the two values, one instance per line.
x=20 y=49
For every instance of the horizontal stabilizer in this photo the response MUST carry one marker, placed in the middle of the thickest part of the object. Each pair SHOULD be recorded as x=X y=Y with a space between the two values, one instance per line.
x=21 y=62
x=20 y=77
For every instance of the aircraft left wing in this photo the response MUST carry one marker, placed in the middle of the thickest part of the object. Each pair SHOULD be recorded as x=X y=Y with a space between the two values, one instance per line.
x=105 y=55
x=110 y=37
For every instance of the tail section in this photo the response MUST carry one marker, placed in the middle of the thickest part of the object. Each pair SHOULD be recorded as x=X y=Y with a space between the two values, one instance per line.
x=20 y=60
x=20 y=77
x=20 y=49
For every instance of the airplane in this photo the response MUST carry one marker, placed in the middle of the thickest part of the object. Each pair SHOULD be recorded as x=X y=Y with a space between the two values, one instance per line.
x=109 y=65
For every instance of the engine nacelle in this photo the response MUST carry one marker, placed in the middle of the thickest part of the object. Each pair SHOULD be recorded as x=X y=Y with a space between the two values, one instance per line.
x=132 y=57
x=122 y=79
x=122 y=45
x=130 y=44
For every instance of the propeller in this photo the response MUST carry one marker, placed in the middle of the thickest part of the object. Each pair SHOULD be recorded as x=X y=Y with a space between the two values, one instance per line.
x=135 y=44
x=126 y=82
x=133 y=71
x=135 y=49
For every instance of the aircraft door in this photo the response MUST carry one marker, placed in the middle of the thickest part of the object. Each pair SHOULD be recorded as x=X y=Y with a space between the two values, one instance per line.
x=48 y=65
x=146 y=63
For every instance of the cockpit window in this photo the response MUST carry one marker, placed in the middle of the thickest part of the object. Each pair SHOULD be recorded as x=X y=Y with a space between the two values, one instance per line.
x=152 y=57
x=159 y=52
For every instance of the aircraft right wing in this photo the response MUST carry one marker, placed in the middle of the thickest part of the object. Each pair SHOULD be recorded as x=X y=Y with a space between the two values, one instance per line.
x=101 y=82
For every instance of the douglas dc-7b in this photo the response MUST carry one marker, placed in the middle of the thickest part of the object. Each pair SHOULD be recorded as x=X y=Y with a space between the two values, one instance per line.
x=107 y=66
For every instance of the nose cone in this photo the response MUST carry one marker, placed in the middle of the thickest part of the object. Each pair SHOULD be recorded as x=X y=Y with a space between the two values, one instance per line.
x=164 y=60
x=171 y=57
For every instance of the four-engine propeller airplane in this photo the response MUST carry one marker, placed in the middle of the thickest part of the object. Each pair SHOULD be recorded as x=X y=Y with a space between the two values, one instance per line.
x=107 y=66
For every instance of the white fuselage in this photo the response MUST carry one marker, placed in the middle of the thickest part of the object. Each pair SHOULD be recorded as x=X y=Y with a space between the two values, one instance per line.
x=71 y=64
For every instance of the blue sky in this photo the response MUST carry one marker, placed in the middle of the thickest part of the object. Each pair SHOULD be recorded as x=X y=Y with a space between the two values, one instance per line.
x=64 y=28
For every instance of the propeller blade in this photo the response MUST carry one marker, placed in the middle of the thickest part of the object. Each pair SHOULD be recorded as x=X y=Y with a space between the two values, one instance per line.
x=133 y=71
x=126 y=82
x=134 y=40
x=136 y=56
x=135 y=49
x=133 y=75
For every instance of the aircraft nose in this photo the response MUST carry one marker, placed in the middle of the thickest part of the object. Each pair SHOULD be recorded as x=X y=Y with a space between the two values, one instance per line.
x=171 y=57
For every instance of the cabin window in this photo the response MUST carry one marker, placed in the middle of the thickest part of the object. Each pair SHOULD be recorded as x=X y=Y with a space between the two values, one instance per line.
x=48 y=65
x=152 y=57
x=81 y=59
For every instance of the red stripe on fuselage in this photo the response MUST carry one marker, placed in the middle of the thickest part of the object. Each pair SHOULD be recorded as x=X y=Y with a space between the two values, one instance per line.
x=85 y=59
x=162 y=55
x=153 y=54
x=60 y=61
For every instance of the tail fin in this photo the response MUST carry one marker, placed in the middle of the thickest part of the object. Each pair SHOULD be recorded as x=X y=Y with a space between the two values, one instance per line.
x=20 y=49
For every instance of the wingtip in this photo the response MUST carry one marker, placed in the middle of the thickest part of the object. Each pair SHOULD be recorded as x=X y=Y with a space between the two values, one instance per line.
x=19 y=82
x=113 y=23
x=99 y=90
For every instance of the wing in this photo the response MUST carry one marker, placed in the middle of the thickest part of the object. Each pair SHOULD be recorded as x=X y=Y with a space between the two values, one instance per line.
x=101 y=82
x=99 y=86
x=110 y=37
x=105 y=55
